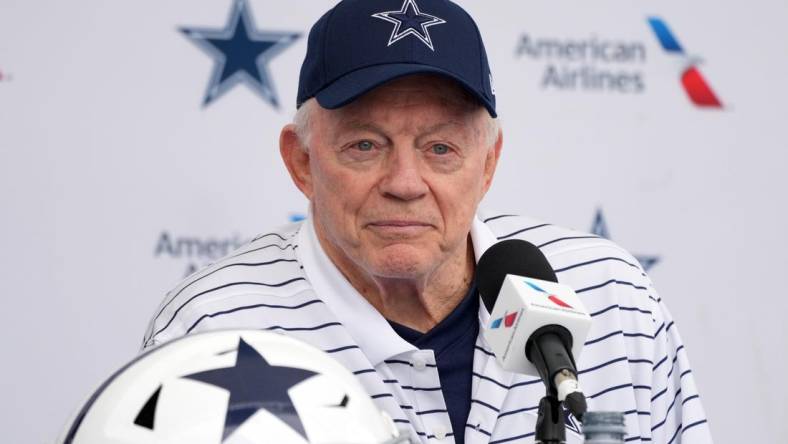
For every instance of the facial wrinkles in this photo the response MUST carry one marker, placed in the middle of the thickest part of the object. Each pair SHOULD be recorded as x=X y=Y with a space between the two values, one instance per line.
x=402 y=118
x=413 y=198
x=410 y=200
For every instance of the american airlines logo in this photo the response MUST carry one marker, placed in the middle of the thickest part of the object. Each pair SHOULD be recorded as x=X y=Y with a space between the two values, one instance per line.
x=587 y=63
x=507 y=320
x=695 y=85
x=195 y=251
x=597 y=63
x=553 y=298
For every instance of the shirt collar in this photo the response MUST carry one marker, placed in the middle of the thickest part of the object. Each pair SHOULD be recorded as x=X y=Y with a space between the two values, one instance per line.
x=366 y=325
x=482 y=238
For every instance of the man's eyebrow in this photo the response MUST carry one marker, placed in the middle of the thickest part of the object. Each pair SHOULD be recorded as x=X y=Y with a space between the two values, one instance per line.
x=364 y=125
x=443 y=125
x=360 y=125
x=456 y=126
x=357 y=124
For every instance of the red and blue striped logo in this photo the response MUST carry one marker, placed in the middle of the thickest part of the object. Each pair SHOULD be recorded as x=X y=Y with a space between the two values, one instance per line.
x=507 y=320
x=553 y=298
x=694 y=83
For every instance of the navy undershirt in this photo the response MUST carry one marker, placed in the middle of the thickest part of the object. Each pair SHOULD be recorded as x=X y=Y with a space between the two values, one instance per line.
x=452 y=342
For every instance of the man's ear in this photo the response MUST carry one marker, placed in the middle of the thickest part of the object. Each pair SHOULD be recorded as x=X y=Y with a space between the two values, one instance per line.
x=296 y=157
x=491 y=161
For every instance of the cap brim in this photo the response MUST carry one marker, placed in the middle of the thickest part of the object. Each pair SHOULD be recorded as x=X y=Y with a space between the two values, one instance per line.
x=356 y=83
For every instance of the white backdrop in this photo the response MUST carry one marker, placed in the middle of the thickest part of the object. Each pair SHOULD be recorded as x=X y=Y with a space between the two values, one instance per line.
x=115 y=180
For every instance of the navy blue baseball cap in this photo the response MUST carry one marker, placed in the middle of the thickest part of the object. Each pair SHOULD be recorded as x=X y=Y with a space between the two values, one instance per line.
x=361 y=44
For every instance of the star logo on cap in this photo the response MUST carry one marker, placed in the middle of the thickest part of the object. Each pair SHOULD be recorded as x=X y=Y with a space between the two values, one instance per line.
x=410 y=21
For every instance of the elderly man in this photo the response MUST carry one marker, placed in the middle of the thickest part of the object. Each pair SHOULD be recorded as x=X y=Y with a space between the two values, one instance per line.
x=395 y=143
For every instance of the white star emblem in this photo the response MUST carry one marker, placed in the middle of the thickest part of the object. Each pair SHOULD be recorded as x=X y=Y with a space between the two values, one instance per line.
x=413 y=21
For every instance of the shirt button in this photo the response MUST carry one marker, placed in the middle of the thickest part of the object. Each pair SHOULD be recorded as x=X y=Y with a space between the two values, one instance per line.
x=419 y=364
x=439 y=433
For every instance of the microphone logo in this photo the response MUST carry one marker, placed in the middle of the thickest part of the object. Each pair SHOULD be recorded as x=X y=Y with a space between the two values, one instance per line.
x=507 y=320
x=553 y=298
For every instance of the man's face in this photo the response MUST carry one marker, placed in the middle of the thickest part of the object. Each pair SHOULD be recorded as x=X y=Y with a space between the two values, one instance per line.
x=395 y=177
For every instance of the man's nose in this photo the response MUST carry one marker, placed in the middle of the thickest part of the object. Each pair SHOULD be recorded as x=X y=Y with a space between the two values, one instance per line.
x=403 y=177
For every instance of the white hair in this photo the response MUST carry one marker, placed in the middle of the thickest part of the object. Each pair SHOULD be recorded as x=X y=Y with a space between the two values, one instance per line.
x=303 y=117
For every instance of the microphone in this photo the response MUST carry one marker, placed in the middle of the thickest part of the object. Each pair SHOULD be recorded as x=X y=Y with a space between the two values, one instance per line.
x=537 y=326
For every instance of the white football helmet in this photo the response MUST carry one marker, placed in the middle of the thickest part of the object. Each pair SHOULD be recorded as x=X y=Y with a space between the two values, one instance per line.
x=232 y=387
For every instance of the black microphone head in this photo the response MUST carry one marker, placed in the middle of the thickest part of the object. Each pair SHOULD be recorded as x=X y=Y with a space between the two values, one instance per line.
x=512 y=256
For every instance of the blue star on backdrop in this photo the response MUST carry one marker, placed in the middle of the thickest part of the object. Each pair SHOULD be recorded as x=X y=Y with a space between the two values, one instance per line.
x=410 y=21
x=600 y=229
x=241 y=54
x=253 y=385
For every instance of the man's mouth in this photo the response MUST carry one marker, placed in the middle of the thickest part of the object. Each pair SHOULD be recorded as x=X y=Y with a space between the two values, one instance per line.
x=398 y=227
x=399 y=223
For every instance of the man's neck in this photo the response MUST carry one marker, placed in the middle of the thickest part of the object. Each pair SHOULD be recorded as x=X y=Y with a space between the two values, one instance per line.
x=423 y=304
x=419 y=303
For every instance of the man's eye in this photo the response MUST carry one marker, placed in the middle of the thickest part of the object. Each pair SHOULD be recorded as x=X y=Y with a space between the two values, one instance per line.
x=365 y=145
x=440 y=148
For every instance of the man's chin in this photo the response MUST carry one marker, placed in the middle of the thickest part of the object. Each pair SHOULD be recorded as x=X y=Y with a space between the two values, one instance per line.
x=402 y=261
x=397 y=233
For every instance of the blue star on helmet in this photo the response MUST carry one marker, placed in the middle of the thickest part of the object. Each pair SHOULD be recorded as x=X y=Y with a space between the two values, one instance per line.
x=410 y=21
x=241 y=54
x=253 y=385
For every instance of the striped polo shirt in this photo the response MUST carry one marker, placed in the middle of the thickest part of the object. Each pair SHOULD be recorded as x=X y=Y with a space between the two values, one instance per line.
x=633 y=360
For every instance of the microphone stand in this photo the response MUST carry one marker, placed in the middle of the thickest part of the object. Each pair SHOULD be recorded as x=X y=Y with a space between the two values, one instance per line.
x=550 y=423
x=548 y=349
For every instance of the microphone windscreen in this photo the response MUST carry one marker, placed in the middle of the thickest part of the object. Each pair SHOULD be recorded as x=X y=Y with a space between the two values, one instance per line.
x=512 y=256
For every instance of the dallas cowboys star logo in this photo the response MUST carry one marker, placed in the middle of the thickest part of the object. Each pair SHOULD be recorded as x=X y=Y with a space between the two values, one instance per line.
x=241 y=54
x=253 y=385
x=570 y=421
x=600 y=229
x=410 y=21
